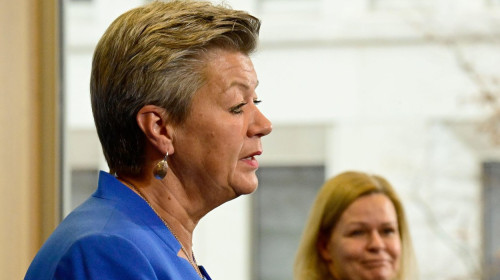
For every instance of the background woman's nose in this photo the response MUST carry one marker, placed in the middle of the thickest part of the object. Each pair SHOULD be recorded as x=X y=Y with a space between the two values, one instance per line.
x=375 y=241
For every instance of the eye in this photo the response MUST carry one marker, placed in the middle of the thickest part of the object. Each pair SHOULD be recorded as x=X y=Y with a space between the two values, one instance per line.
x=238 y=109
x=388 y=231
x=356 y=232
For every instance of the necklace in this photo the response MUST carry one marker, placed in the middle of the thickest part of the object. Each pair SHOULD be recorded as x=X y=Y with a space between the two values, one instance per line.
x=192 y=259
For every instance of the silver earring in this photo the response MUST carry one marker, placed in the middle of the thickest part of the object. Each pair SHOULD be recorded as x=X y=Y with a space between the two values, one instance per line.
x=160 y=170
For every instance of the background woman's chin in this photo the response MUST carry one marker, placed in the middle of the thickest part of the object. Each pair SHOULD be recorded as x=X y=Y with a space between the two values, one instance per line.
x=380 y=274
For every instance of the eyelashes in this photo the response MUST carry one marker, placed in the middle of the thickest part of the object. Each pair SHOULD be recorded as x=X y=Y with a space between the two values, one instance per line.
x=382 y=232
x=238 y=109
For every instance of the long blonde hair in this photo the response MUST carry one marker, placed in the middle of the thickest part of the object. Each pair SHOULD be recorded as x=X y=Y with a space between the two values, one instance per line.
x=332 y=200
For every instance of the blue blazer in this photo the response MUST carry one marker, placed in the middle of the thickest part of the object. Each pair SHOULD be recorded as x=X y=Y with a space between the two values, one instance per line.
x=113 y=235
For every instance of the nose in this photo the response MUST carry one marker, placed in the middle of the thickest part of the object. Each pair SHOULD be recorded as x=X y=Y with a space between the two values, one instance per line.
x=261 y=126
x=375 y=241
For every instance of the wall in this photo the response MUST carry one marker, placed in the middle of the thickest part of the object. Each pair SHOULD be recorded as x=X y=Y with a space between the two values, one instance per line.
x=396 y=103
x=28 y=138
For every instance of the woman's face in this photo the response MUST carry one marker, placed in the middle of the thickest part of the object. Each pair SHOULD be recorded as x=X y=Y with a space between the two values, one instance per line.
x=365 y=243
x=218 y=144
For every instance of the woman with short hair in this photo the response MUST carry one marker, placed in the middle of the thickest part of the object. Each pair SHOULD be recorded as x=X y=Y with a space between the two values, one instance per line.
x=174 y=103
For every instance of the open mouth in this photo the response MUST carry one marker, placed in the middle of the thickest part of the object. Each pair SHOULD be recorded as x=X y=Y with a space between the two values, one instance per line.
x=250 y=160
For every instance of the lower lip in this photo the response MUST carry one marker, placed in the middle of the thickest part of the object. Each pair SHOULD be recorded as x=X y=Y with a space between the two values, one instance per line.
x=374 y=264
x=252 y=162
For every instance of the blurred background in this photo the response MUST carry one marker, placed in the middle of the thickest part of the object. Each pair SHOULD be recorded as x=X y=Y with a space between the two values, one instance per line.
x=408 y=89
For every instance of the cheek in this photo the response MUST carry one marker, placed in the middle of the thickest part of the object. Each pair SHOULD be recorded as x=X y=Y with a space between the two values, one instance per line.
x=222 y=149
x=394 y=248
x=219 y=140
x=343 y=252
x=344 y=257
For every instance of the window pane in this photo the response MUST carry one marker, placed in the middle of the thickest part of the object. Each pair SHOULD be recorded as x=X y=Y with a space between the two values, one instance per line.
x=491 y=220
x=281 y=206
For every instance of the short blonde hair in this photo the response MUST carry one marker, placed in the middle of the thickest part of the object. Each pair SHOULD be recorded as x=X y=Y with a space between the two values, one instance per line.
x=155 y=55
x=332 y=200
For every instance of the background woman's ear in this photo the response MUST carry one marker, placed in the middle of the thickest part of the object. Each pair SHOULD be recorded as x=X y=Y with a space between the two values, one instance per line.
x=322 y=246
x=153 y=121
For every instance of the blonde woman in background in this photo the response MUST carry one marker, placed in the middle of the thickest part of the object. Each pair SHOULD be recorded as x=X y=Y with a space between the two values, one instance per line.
x=357 y=230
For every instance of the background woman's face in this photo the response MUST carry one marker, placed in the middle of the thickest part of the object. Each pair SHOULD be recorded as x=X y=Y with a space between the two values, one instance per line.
x=218 y=143
x=365 y=244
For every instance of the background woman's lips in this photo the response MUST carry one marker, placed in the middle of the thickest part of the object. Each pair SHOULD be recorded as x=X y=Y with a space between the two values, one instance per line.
x=376 y=263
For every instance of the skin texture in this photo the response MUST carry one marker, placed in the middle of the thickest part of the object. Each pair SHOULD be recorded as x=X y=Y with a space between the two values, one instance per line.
x=212 y=153
x=221 y=137
x=365 y=244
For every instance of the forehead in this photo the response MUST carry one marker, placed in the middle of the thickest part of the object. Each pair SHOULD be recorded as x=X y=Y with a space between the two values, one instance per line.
x=370 y=208
x=228 y=67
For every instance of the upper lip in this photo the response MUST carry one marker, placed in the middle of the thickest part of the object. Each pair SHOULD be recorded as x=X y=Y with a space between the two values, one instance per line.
x=369 y=261
x=257 y=153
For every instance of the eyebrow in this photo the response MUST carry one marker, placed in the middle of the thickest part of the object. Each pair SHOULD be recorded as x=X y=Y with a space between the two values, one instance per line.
x=241 y=84
x=392 y=223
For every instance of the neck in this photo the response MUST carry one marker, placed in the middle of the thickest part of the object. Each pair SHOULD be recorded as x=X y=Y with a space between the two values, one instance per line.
x=169 y=206
x=179 y=226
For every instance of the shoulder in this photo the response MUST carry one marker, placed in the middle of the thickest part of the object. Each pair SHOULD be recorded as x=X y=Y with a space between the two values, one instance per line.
x=94 y=256
x=92 y=239
x=110 y=256
x=132 y=251
x=103 y=256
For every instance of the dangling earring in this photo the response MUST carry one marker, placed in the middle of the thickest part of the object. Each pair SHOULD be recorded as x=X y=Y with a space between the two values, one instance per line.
x=160 y=170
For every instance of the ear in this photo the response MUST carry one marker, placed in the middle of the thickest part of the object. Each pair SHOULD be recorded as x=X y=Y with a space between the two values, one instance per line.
x=153 y=121
x=322 y=245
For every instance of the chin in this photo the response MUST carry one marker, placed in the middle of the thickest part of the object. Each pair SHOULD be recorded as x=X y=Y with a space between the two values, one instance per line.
x=245 y=185
x=382 y=276
x=246 y=190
